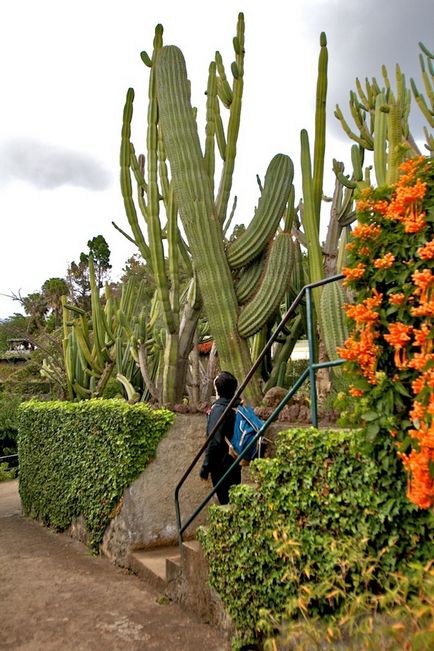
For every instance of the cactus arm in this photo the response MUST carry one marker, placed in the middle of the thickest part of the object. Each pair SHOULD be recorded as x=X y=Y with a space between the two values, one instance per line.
x=67 y=353
x=359 y=116
x=289 y=218
x=224 y=190
x=274 y=284
x=362 y=142
x=210 y=129
x=143 y=364
x=309 y=217
x=194 y=198
x=380 y=129
x=362 y=94
x=164 y=175
x=126 y=188
x=137 y=171
x=421 y=102
x=224 y=90
x=98 y=326
x=122 y=232
x=173 y=253
x=271 y=207
x=249 y=280
x=394 y=135
x=284 y=351
x=320 y=127
x=342 y=178
x=231 y=216
x=219 y=130
x=333 y=317
x=154 y=226
x=428 y=87
x=132 y=394
x=174 y=247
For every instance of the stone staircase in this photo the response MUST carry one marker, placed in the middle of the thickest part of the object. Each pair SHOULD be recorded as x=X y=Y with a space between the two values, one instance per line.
x=181 y=574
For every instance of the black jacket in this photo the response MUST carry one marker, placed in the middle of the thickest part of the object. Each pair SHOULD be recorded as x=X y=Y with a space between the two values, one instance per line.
x=217 y=456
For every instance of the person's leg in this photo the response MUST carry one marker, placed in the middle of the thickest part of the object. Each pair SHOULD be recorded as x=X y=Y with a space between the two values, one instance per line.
x=222 y=492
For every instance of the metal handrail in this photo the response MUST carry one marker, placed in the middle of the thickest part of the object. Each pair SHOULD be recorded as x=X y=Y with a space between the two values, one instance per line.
x=310 y=371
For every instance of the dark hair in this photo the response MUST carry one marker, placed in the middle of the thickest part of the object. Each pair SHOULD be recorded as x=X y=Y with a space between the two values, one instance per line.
x=226 y=384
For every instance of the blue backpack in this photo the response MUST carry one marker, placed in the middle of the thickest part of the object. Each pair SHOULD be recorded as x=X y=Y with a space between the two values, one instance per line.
x=247 y=425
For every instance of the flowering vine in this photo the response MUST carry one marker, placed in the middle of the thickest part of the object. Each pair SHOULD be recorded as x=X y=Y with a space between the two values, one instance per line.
x=390 y=356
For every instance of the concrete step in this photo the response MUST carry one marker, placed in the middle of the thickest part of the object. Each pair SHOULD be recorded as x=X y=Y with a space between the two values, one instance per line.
x=150 y=564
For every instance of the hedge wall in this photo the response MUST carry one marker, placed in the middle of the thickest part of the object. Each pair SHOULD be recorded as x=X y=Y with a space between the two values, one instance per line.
x=324 y=522
x=77 y=458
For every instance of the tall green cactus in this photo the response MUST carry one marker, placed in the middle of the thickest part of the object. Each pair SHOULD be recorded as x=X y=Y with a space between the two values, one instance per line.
x=196 y=204
x=154 y=190
x=322 y=258
x=333 y=318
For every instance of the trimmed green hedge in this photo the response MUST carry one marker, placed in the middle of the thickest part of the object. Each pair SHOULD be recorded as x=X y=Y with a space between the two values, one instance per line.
x=77 y=458
x=324 y=521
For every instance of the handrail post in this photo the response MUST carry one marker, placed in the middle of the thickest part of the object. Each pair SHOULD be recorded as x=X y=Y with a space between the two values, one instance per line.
x=311 y=372
x=312 y=378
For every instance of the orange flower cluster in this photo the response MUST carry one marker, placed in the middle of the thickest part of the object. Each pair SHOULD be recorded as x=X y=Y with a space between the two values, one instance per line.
x=412 y=345
x=424 y=281
x=406 y=205
x=411 y=168
x=420 y=488
x=366 y=231
x=360 y=347
x=399 y=337
x=396 y=299
x=385 y=262
x=426 y=252
x=353 y=273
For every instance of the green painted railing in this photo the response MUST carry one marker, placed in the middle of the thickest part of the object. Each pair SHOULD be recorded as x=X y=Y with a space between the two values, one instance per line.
x=309 y=372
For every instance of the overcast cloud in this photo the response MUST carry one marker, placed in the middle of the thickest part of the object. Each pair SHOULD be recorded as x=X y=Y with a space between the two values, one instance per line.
x=47 y=166
x=364 y=35
x=68 y=69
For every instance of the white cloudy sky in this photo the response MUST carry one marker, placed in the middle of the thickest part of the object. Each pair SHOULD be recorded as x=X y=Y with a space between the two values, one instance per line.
x=65 y=69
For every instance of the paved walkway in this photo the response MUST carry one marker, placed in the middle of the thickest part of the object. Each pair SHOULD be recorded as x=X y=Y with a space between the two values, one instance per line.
x=55 y=596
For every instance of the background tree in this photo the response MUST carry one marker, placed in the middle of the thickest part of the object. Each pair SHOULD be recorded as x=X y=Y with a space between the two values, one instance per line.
x=78 y=272
x=35 y=306
x=53 y=289
x=100 y=252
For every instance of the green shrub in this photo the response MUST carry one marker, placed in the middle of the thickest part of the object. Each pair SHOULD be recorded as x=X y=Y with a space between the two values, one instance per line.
x=322 y=514
x=6 y=473
x=9 y=403
x=77 y=458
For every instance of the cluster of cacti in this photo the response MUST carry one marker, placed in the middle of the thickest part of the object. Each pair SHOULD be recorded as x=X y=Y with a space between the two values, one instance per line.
x=381 y=118
x=241 y=283
x=382 y=126
x=113 y=337
x=427 y=107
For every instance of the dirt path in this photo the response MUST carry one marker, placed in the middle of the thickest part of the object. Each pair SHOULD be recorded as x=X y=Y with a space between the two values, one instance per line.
x=54 y=596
